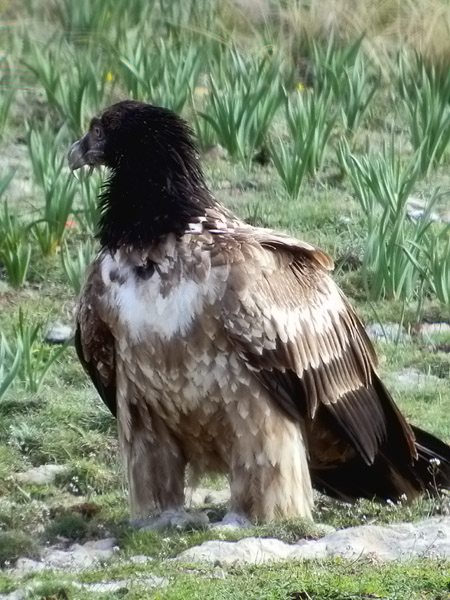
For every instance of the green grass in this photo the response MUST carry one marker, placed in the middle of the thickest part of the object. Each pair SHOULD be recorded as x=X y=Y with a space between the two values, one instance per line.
x=329 y=580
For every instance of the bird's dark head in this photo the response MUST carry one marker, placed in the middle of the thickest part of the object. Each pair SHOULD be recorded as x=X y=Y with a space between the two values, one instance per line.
x=130 y=133
x=156 y=184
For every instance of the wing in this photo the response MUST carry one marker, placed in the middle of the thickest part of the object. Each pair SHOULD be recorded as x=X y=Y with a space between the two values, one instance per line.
x=294 y=328
x=94 y=342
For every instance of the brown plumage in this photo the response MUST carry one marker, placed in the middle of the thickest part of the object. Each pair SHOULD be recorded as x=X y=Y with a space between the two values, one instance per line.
x=226 y=347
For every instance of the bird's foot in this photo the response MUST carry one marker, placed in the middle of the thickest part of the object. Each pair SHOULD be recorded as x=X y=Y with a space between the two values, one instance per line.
x=232 y=521
x=179 y=520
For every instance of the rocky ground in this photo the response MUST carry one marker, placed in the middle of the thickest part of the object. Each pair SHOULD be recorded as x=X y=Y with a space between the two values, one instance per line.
x=429 y=538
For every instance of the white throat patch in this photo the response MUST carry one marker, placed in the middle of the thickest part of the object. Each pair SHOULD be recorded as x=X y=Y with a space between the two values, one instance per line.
x=143 y=309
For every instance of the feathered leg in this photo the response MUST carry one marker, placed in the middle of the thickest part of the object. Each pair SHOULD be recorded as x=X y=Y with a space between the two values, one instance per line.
x=154 y=464
x=269 y=470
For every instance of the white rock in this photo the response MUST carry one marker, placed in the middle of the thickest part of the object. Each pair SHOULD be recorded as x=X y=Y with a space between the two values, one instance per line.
x=42 y=475
x=58 y=333
x=77 y=556
x=387 y=332
x=248 y=550
x=26 y=565
x=417 y=208
x=413 y=378
x=16 y=595
x=402 y=541
x=431 y=329
x=429 y=538
x=152 y=581
x=101 y=587
x=140 y=559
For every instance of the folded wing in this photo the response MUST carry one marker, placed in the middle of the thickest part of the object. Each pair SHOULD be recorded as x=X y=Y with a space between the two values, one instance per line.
x=292 y=325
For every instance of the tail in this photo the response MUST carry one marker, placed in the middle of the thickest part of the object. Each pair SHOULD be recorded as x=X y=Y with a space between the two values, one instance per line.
x=386 y=478
x=433 y=464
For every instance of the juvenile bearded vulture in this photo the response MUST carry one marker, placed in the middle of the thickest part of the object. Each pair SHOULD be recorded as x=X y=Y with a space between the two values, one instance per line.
x=226 y=347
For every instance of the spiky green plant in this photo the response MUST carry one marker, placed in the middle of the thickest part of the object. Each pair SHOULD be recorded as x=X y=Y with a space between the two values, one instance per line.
x=10 y=361
x=8 y=90
x=75 y=264
x=5 y=181
x=49 y=230
x=84 y=18
x=332 y=60
x=77 y=92
x=47 y=151
x=425 y=91
x=344 y=71
x=437 y=252
x=310 y=118
x=393 y=256
x=15 y=249
x=243 y=101
x=36 y=357
x=85 y=207
x=291 y=163
x=162 y=72
x=56 y=185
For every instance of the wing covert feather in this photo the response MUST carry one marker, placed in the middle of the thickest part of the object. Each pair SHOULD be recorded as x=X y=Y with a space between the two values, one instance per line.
x=297 y=332
x=94 y=342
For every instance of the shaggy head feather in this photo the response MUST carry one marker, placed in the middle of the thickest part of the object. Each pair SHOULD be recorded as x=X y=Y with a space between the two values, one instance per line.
x=156 y=184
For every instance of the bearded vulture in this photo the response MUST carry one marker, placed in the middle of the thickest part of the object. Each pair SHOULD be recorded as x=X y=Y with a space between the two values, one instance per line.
x=228 y=348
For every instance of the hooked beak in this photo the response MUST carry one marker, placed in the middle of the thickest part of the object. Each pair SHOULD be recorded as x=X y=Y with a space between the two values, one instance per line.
x=84 y=152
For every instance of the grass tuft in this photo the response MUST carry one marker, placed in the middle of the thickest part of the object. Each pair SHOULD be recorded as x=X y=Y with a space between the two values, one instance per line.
x=15 y=544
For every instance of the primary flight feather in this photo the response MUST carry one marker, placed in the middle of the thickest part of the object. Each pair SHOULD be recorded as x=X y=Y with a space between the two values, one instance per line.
x=226 y=347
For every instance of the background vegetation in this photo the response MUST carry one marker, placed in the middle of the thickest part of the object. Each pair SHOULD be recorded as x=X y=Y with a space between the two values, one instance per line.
x=327 y=119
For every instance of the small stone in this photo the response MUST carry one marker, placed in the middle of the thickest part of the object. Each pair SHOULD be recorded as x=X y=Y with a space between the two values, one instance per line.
x=118 y=585
x=106 y=586
x=140 y=559
x=387 y=332
x=16 y=595
x=77 y=556
x=58 y=333
x=26 y=565
x=102 y=545
x=42 y=475
x=431 y=329
x=416 y=209
x=411 y=378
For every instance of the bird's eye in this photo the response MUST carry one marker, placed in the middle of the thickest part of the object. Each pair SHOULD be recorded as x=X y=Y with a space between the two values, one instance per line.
x=98 y=132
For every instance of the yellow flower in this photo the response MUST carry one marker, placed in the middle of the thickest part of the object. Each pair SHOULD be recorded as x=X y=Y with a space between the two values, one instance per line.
x=109 y=77
x=201 y=90
x=300 y=86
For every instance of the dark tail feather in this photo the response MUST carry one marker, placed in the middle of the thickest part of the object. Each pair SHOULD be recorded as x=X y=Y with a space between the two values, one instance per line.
x=385 y=479
x=433 y=464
